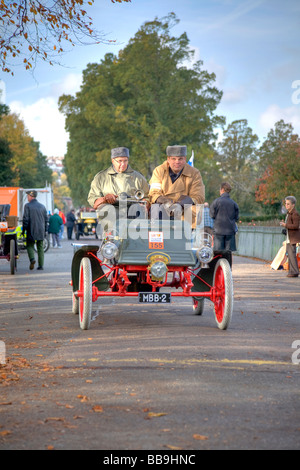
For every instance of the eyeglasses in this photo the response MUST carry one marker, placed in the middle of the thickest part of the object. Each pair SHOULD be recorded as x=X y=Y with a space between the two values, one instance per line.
x=121 y=162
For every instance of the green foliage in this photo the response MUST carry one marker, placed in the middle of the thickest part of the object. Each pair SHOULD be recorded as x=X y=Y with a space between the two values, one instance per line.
x=238 y=158
x=6 y=173
x=280 y=166
x=144 y=99
x=43 y=173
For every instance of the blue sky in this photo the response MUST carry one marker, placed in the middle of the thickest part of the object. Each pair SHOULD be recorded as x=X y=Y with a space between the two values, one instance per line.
x=252 y=46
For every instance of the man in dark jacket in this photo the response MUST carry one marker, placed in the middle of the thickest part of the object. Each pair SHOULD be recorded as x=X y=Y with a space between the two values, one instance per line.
x=225 y=213
x=71 y=219
x=35 y=224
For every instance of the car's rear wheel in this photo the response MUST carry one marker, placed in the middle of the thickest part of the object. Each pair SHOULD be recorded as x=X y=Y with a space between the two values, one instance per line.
x=198 y=306
x=75 y=304
x=12 y=256
x=223 y=301
x=85 y=299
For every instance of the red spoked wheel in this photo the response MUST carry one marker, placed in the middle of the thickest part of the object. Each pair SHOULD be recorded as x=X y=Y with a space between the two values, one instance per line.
x=85 y=297
x=223 y=295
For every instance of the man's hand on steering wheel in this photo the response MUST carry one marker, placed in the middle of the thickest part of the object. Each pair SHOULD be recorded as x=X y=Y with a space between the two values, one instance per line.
x=108 y=199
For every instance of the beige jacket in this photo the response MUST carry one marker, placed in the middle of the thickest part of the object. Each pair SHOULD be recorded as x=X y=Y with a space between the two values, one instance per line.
x=189 y=184
x=110 y=182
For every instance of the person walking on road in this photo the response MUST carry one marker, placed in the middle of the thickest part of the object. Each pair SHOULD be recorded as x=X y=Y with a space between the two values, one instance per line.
x=225 y=213
x=55 y=223
x=291 y=225
x=70 y=223
x=35 y=224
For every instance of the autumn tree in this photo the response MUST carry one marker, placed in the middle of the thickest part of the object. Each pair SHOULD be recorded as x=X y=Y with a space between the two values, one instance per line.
x=61 y=189
x=238 y=161
x=6 y=172
x=280 y=166
x=27 y=163
x=32 y=29
x=145 y=98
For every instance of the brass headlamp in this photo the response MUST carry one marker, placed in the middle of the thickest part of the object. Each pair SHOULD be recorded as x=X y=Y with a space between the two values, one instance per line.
x=158 y=265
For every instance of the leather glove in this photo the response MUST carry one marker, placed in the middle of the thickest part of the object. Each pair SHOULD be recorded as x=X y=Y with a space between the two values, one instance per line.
x=177 y=210
x=110 y=198
x=185 y=200
x=174 y=209
x=163 y=200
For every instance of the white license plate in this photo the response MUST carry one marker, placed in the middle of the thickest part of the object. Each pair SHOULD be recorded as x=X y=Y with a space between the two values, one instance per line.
x=154 y=297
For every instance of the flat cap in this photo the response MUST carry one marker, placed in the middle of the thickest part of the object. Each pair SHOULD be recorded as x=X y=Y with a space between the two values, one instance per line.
x=120 y=152
x=176 y=151
x=32 y=193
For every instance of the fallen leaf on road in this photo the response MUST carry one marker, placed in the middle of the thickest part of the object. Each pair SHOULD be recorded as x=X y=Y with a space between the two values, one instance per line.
x=200 y=437
x=54 y=419
x=155 y=415
x=83 y=398
x=97 y=409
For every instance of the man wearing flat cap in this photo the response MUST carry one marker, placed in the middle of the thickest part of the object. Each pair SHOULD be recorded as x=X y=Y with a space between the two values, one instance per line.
x=119 y=178
x=175 y=183
x=35 y=224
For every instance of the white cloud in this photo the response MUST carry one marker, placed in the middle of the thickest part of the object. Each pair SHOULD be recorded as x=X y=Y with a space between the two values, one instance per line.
x=274 y=114
x=45 y=124
x=219 y=70
x=42 y=118
x=234 y=95
x=69 y=85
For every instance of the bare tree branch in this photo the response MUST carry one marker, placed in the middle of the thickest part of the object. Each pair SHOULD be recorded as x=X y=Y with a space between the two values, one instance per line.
x=33 y=29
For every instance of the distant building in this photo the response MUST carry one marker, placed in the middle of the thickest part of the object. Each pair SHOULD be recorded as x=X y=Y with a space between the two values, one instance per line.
x=56 y=164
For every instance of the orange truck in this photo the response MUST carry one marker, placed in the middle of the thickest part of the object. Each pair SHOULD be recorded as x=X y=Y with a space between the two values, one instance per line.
x=17 y=198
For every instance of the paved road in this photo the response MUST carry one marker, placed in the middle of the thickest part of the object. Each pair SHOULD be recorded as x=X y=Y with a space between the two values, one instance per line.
x=147 y=377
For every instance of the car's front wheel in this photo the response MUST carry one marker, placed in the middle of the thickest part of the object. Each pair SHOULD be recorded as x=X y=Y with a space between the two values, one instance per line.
x=85 y=298
x=223 y=296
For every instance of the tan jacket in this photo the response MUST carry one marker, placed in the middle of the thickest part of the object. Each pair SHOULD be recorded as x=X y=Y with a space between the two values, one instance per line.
x=189 y=184
x=110 y=182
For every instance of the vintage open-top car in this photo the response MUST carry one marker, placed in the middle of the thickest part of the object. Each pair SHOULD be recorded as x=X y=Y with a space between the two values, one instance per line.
x=86 y=224
x=153 y=261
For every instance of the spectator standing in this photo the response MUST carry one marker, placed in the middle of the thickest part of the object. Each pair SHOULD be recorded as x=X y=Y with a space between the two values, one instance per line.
x=291 y=224
x=208 y=222
x=35 y=224
x=55 y=223
x=63 y=218
x=70 y=223
x=225 y=213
